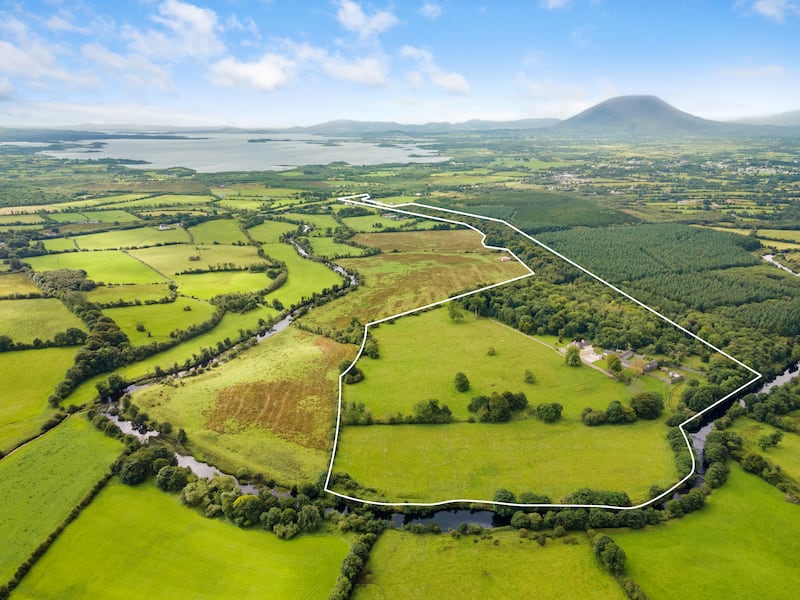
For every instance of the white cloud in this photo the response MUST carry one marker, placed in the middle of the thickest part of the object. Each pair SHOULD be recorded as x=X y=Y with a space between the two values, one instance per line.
x=430 y=10
x=763 y=72
x=776 y=10
x=554 y=4
x=135 y=70
x=269 y=73
x=353 y=18
x=6 y=89
x=561 y=99
x=453 y=83
x=187 y=31
x=369 y=70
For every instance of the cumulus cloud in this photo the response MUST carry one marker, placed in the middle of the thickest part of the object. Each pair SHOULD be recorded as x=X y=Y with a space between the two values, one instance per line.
x=28 y=56
x=775 y=10
x=267 y=74
x=453 y=83
x=186 y=30
x=365 y=70
x=134 y=69
x=353 y=18
x=431 y=10
x=763 y=72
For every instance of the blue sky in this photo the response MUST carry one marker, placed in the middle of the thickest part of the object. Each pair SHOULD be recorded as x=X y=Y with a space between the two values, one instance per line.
x=299 y=62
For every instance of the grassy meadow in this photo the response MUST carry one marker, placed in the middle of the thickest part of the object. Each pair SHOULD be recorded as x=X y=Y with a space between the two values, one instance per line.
x=207 y=285
x=404 y=565
x=172 y=260
x=28 y=378
x=107 y=266
x=43 y=481
x=305 y=277
x=743 y=544
x=270 y=410
x=176 y=553
x=218 y=231
x=159 y=320
x=16 y=283
x=786 y=453
x=108 y=294
x=269 y=232
x=42 y=318
x=130 y=238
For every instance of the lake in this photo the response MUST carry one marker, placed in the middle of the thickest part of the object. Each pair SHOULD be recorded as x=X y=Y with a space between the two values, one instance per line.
x=216 y=152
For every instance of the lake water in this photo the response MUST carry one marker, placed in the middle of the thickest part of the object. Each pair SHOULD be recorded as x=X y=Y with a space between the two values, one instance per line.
x=233 y=152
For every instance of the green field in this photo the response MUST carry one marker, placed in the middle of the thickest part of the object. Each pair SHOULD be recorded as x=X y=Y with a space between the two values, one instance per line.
x=21 y=219
x=60 y=244
x=428 y=267
x=433 y=348
x=404 y=565
x=327 y=248
x=207 y=285
x=167 y=200
x=319 y=222
x=220 y=231
x=16 y=283
x=786 y=453
x=110 y=216
x=367 y=224
x=159 y=320
x=172 y=260
x=42 y=482
x=743 y=544
x=25 y=320
x=109 y=266
x=176 y=553
x=269 y=232
x=270 y=410
x=305 y=276
x=28 y=378
x=131 y=238
x=108 y=294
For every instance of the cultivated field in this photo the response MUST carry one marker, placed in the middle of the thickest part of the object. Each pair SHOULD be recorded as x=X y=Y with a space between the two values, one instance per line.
x=110 y=266
x=405 y=565
x=42 y=318
x=176 y=553
x=270 y=410
x=743 y=544
x=28 y=378
x=43 y=481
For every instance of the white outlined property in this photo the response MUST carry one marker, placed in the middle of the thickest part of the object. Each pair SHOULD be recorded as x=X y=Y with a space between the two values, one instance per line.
x=365 y=201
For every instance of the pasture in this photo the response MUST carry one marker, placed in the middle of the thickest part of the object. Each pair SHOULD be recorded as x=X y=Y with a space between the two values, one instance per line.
x=372 y=223
x=131 y=238
x=177 y=553
x=16 y=283
x=270 y=410
x=42 y=318
x=742 y=545
x=319 y=222
x=28 y=378
x=305 y=278
x=404 y=565
x=60 y=244
x=154 y=322
x=105 y=295
x=786 y=453
x=167 y=200
x=396 y=282
x=110 y=216
x=107 y=266
x=218 y=231
x=172 y=260
x=327 y=248
x=269 y=232
x=207 y=285
x=421 y=353
x=430 y=463
x=43 y=481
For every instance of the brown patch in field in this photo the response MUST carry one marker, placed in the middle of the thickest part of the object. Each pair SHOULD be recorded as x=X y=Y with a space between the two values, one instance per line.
x=301 y=410
x=459 y=240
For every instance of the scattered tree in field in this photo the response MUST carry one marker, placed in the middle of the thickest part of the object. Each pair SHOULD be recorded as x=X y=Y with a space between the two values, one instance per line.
x=529 y=376
x=573 y=356
x=549 y=412
x=454 y=311
x=614 y=364
x=648 y=405
x=497 y=408
x=491 y=351
x=461 y=382
x=770 y=441
x=182 y=438
x=429 y=411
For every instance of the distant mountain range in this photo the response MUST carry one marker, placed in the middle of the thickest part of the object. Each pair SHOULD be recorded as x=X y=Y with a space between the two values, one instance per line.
x=623 y=116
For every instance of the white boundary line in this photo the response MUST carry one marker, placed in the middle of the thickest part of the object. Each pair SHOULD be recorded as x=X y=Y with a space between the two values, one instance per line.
x=365 y=200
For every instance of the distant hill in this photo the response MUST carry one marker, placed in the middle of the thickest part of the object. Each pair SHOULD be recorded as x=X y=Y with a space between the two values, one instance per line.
x=785 y=119
x=347 y=127
x=638 y=115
